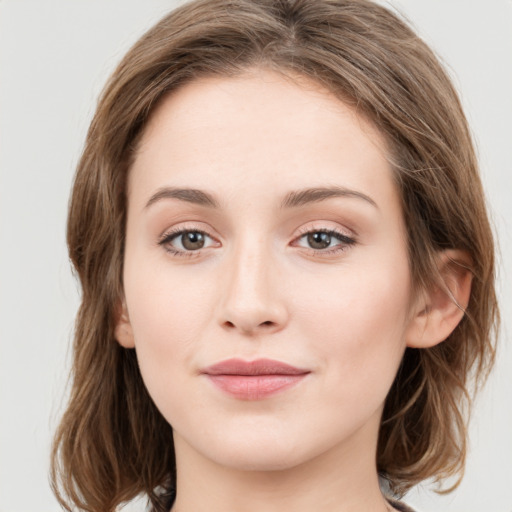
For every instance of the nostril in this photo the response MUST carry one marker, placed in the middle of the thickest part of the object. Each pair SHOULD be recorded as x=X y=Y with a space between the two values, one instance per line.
x=228 y=324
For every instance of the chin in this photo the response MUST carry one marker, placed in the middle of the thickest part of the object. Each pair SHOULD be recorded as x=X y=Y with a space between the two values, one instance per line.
x=259 y=458
x=251 y=451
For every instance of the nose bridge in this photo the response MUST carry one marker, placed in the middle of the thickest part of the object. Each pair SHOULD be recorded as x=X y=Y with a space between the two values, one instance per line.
x=251 y=299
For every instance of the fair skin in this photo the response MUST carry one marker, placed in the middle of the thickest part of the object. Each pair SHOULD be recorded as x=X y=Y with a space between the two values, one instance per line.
x=249 y=269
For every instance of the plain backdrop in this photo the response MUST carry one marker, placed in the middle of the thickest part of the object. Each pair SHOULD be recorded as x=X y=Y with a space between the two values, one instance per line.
x=54 y=58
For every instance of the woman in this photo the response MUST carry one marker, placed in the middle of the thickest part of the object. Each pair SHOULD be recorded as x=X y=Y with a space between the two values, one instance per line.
x=286 y=263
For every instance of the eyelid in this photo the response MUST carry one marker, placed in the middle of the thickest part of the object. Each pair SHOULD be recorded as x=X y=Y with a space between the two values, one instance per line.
x=325 y=226
x=174 y=233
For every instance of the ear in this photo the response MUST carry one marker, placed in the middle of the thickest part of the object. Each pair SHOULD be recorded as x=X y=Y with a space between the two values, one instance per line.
x=439 y=310
x=123 y=331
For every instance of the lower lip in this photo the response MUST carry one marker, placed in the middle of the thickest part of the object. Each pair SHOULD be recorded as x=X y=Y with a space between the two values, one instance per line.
x=254 y=387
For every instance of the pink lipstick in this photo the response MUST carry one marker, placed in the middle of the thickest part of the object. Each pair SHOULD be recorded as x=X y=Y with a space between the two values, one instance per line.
x=253 y=380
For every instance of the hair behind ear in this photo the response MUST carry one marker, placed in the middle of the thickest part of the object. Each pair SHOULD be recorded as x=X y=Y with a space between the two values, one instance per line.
x=111 y=417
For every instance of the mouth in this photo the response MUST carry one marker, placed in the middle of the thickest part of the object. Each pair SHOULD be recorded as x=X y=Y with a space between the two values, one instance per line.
x=253 y=380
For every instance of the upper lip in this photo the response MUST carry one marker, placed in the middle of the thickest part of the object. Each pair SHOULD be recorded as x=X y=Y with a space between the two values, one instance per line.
x=256 y=367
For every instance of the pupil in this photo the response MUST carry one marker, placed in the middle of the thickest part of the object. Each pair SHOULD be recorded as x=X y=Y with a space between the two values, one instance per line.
x=192 y=240
x=319 y=240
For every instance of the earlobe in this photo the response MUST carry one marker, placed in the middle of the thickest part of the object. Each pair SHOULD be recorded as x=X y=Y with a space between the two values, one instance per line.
x=440 y=309
x=123 y=330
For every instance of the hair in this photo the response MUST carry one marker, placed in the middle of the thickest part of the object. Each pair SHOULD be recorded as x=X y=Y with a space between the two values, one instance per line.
x=113 y=444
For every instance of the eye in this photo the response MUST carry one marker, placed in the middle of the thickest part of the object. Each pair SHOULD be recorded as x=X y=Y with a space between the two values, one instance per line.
x=186 y=241
x=325 y=240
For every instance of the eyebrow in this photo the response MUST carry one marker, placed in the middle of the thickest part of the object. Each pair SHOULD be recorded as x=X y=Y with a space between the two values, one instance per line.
x=293 y=199
x=189 y=195
x=315 y=195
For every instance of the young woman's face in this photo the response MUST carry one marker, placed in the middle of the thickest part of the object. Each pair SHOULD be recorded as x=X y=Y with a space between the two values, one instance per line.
x=264 y=227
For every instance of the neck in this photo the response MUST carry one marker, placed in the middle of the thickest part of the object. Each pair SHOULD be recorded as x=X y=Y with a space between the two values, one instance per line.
x=342 y=479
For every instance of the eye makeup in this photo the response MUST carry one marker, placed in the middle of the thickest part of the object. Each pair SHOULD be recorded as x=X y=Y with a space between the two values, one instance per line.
x=191 y=241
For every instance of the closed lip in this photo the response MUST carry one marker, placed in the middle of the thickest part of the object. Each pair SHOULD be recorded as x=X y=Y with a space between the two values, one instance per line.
x=237 y=366
x=254 y=380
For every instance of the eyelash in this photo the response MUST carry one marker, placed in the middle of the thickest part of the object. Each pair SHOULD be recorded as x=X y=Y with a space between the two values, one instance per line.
x=345 y=241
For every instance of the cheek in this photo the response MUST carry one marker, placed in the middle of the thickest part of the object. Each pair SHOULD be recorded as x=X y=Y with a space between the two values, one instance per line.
x=358 y=325
x=169 y=314
x=164 y=299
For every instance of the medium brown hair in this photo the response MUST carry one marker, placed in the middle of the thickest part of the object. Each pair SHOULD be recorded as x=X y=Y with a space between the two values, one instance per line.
x=112 y=443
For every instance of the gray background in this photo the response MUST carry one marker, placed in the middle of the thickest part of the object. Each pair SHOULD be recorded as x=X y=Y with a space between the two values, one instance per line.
x=54 y=58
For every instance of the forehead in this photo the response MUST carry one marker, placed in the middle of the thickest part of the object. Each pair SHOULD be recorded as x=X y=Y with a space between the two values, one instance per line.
x=259 y=127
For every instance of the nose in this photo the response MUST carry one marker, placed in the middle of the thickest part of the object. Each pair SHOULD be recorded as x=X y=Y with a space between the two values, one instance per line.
x=252 y=301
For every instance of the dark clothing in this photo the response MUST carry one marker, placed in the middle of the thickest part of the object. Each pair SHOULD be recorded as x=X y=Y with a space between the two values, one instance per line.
x=402 y=507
